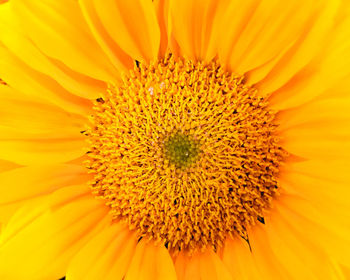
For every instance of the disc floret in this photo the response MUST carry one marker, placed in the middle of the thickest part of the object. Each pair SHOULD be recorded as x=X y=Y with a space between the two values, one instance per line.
x=185 y=153
x=181 y=150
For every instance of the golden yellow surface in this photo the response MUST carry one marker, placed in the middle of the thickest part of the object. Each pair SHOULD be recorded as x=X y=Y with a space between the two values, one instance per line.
x=229 y=182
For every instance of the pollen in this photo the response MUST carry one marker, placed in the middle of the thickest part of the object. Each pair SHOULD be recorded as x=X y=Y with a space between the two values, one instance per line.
x=185 y=153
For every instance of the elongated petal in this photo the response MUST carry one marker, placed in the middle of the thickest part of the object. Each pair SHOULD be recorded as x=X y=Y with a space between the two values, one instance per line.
x=318 y=130
x=326 y=76
x=304 y=220
x=138 y=32
x=151 y=262
x=22 y=184
x=19 y=45
x=238 y=257
x=321 y=183
x=28 y=185
x=46 y=237
x=196 y=26
x=294 y=250
x=267 y=264
x=314 y=34
x=36 y=85
x=107 y=256
x=201 y=266
x=30 y=115
x=6 y=165
x=119 y=58
x=37 y=132
x=59 y=30
x=254 y=37
x=164 y=21
x=212 y=268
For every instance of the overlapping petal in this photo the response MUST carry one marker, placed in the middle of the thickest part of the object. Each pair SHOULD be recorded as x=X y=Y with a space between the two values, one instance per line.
x=59 y=30
x=200 y=41
x=201 y=266
x=55 y=55
x=151 y=262
x=106 y=256
x=34 y=131
x=138 y=32
x=317 y=130
x=45 y=238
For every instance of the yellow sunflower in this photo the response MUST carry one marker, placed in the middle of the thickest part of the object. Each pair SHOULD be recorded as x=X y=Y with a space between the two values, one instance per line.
x=185 y=139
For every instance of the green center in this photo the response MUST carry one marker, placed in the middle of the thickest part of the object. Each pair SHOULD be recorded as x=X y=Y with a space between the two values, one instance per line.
x=181 y=150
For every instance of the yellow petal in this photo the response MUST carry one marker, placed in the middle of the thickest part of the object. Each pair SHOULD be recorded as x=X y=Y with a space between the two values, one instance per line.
x=20 y=184
x=259 y=73
x=201 y=266
x=294 y=250
x=321 y=183
x=326 y=77
x=320 y=192
x=38 y=151
x=212 y=268
x=266 y=262
x=28 y=115
x=34 y=131
x=257 y=36
x=59 y=30
x=346 y=272
x=17 y=42
x=151 y=262
x=315 y=36
x=120 y=59
x=39 y=86
x=6 y=165
x=106 y=256
x=137 y=32
x=337 y=271
x=320 y=114
x=163 y=16
x=187 y=267
x=237 y=257
x=328 y=171
x=318 y=130
x=308 y=147
x=317 y=227
x=196 y=26
x=7 y=210
x=39 y=243
x=235 y=19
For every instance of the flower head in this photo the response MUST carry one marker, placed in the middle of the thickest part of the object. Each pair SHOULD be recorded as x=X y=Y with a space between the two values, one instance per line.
x=174 y=139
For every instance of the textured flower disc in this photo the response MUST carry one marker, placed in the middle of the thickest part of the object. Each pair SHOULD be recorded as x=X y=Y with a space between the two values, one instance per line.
x=185 y=153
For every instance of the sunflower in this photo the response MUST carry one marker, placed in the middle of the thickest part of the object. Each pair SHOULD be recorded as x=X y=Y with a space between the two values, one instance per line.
x=183 y=139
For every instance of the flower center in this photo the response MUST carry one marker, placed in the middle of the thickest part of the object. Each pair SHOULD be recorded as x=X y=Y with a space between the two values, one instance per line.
x=185 y=153
x=181 y=150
